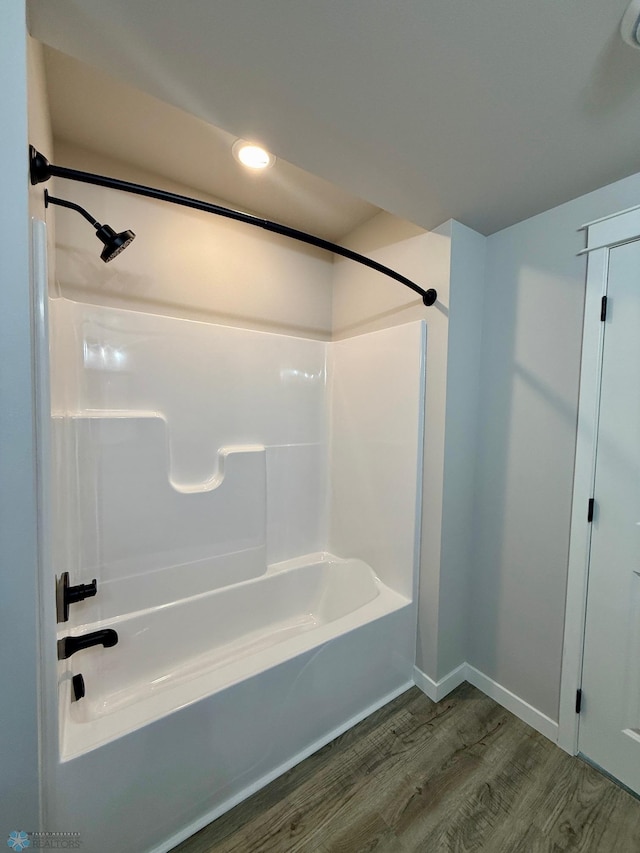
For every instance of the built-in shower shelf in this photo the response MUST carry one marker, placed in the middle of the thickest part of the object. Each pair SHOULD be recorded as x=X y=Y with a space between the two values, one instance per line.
x=134 y=518
x=187 y=488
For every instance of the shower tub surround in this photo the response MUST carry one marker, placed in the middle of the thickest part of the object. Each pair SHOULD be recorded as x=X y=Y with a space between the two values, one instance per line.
x=248 y=503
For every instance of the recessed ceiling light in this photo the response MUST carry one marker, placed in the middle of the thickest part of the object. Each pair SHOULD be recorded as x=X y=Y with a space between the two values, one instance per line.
x=252 y=156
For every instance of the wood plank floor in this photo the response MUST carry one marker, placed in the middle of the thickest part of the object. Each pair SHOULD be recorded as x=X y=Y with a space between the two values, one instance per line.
x=462 y=775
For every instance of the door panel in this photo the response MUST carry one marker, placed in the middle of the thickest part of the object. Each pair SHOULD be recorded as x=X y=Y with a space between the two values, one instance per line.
x=610 y=721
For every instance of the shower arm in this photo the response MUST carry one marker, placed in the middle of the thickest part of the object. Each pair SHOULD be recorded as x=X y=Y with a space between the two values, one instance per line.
x=41 y=170
x=61 y=202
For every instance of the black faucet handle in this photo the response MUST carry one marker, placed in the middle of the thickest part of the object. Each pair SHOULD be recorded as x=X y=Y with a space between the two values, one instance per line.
x=68 y=646
x=77 y=687
x=66 y=595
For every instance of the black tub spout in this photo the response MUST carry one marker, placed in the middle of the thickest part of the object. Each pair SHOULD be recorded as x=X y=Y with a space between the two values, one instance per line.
x=68 y=646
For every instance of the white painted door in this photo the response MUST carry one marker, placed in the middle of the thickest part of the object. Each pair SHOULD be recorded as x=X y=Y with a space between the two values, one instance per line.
x=609 y=728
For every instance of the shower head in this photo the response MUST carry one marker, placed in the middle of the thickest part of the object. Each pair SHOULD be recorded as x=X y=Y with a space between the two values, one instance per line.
x=114 y=242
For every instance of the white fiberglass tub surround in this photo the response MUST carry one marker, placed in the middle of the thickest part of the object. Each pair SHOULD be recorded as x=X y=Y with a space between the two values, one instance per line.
x=249 y=504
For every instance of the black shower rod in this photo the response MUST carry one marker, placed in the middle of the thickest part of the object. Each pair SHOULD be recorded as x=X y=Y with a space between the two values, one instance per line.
x=41 y=170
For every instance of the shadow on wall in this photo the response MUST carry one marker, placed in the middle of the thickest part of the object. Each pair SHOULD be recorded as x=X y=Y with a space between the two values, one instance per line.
x=100 y=278
x=382 y=318
x=364 y=301
x=531 y=361
x=386 y=318
x=88 y=279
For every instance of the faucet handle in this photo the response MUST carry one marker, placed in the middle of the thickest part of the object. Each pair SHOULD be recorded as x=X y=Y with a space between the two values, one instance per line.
x=66 y=595
x=68 y=646
x=77 y=687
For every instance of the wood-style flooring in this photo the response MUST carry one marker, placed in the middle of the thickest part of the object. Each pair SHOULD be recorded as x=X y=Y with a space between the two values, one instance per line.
x=462 y=775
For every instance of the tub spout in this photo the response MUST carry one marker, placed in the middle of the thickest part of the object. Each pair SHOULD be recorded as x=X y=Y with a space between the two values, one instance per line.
x=68 y=646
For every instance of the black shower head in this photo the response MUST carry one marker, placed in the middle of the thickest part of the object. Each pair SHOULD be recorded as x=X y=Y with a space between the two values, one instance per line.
x=113 y=243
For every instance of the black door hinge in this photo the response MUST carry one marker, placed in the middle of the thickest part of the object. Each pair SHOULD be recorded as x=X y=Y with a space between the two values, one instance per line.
x=592 y=504
x=578 y=701
x=603 y=309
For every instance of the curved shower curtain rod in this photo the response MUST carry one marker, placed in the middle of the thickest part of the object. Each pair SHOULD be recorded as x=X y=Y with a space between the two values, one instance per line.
x=41 y=170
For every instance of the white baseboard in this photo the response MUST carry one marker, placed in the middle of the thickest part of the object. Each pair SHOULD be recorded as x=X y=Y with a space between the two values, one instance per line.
x=527 y=713
x=437 y=690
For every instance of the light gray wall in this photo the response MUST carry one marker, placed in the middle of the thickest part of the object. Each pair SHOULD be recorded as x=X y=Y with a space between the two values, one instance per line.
x=18 y=521
x=532 y=330
x=450 y=452
x=464 y=380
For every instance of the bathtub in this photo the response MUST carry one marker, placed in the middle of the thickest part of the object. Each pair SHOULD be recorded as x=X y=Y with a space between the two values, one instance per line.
x=175 y=654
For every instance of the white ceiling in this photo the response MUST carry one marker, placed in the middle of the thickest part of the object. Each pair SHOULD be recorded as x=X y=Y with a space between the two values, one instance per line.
x=487 y=111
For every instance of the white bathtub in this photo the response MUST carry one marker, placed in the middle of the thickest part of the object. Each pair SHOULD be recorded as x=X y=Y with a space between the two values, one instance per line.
x=170 y=656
